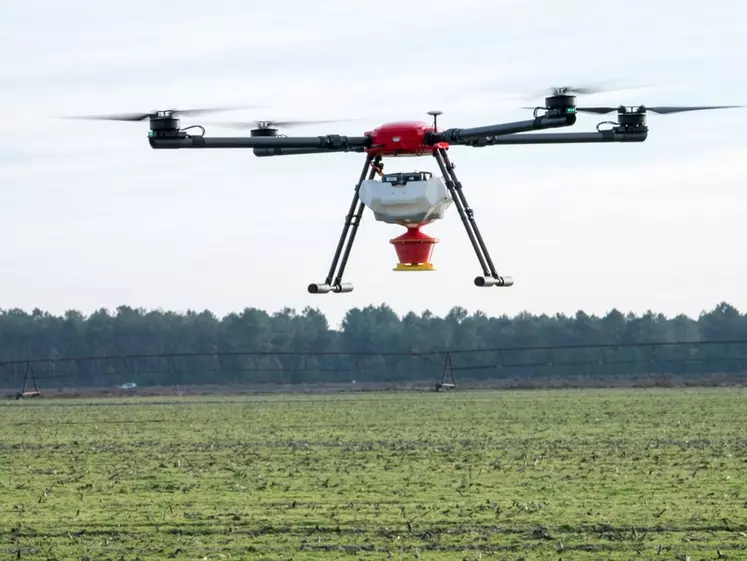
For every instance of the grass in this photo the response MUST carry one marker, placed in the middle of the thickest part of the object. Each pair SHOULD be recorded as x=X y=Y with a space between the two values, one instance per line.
x=587 y=474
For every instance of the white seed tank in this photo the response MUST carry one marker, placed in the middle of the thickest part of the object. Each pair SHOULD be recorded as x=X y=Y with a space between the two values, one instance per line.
x=406 y=198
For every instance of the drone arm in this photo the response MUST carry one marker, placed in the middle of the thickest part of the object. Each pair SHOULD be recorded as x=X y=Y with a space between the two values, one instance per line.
x=329 y=142
x=466 y=136
x=565 y=138
x=267 y=152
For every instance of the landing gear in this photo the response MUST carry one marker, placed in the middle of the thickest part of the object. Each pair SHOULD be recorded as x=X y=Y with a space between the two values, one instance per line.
x=489 y=275
x=333 y=282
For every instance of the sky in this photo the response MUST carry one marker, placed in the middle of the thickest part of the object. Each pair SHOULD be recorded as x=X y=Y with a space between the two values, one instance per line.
x=91 y=217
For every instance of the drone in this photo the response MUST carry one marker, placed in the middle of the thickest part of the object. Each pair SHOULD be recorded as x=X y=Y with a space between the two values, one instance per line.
x=410 y=199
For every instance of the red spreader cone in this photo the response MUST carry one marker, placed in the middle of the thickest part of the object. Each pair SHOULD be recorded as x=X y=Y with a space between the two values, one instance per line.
x=414 y=249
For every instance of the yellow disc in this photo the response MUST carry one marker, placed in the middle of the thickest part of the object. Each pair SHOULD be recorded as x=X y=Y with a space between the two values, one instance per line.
x=415 y=267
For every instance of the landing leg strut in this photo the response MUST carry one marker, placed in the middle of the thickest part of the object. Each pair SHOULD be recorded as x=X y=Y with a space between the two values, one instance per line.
x=333 y=282
x=489 y=275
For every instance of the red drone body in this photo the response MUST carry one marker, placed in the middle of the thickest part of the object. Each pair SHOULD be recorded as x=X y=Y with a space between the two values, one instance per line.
x=405 y=138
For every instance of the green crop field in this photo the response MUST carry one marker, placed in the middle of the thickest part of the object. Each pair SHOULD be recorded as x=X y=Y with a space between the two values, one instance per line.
x=592 y=474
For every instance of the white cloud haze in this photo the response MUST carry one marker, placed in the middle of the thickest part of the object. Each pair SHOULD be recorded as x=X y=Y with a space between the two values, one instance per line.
x=91 y=216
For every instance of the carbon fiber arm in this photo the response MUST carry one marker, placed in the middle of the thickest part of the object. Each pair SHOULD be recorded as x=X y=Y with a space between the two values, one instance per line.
x=266 y=152
x=331 y=142
x=563 y=138
x=467 y=136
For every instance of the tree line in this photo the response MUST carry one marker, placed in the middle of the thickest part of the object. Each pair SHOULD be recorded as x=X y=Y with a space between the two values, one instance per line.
x=364 y=331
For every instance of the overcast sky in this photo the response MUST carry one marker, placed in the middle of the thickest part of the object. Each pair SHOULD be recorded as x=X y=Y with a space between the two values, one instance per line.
x=91 y=216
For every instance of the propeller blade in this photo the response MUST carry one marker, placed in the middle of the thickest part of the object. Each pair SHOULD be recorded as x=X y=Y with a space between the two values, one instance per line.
x=118 y=117
x=666 y=110
x=144 y=116
x=598 y=110
x=582 y=90
x=270 y=123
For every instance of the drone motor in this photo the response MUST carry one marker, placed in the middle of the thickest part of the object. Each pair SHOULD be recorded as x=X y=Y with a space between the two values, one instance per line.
x=163 y=124
x=264 y=129
x=559 y=105
x=631 y=118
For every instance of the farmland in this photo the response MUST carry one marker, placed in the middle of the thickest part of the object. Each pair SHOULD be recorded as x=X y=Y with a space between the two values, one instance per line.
x=569 y=474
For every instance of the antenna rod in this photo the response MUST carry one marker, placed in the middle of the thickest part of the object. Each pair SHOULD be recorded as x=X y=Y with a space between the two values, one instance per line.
x=435 y=115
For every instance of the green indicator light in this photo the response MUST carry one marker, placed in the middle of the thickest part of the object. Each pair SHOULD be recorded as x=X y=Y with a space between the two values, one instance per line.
x=571 y=110
x=150 y=134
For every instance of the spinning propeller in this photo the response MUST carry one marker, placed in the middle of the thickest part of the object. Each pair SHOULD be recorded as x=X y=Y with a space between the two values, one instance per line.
x=567 y=91
x=563 y=99
x=266 y=124
x=662 y=110
x=268 y=128
x=155 y=114
x=167 y=120
x=573 y=90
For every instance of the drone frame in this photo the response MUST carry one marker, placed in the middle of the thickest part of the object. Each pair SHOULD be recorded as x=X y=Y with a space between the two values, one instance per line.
x=418 y=139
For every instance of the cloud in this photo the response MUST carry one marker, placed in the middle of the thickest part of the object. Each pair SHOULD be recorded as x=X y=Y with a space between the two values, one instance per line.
x=578 y=227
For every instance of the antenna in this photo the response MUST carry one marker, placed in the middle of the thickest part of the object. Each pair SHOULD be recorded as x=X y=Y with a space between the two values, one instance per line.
x=435 y=115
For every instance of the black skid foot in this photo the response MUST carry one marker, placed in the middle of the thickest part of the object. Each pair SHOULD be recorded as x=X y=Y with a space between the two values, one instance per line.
x=494 y=281
x=326 y=288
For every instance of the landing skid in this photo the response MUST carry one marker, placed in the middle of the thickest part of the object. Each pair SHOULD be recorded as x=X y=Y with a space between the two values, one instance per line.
x=489 y=275
x=333 y=283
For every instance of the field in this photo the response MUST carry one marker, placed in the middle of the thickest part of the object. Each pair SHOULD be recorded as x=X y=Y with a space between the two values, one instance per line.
x=555 y=474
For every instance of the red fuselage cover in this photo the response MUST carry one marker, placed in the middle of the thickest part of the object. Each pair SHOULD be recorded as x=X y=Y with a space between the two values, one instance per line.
x=405 y=138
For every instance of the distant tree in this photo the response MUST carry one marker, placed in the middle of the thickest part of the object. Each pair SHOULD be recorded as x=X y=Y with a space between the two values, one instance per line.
x=371 y=329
